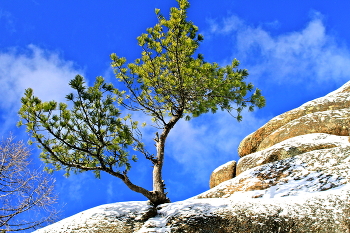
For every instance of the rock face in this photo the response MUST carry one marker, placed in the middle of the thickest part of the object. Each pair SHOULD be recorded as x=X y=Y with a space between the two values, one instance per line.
x=335 y=122
x=224 y=172
x=336 y=100
x=318 y=213
x=290 y=147
x=293 y=176
x=299 y=136
x=309 y=172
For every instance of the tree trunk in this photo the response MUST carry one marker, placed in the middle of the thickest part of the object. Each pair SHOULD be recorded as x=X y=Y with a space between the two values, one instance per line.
x=158 y=182
x=157 y=196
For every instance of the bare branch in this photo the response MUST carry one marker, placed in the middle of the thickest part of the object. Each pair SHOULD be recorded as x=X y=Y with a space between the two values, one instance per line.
x=23 y=192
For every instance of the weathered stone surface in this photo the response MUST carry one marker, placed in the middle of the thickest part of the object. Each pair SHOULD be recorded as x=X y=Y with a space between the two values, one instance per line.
x=290 y=147
x=313 y=171
x=316 y=213
x=338 y=99
x=319 y=212
x=309 y=192
x=224 y=172
x=335 y=122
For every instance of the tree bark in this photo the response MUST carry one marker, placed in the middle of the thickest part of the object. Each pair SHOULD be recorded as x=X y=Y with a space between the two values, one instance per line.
x=158 y=182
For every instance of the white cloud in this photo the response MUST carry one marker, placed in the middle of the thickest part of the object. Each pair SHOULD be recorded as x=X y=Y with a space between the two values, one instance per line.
x=71 y=189
x=204 y=143
x=110 y=192
x=227 y=25
x=46 y=72
x=199 y=145
x=308 y=55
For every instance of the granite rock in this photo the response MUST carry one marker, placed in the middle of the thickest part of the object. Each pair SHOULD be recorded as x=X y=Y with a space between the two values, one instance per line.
x=313 y=171
x=224 y=172
x=336 y=100
x=290 y=147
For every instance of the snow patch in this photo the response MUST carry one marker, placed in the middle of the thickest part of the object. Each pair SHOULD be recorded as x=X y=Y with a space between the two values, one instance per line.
x=224 y=166
x=309 y=172
x=90 y=220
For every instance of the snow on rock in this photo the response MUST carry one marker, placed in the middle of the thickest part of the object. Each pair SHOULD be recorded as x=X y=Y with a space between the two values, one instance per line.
x=290 y=147
x=336 y=100
x=343 y=89
x=118 y=217
x=222 y=173
x=317 y=212
x=313 y=171
x=326 y=211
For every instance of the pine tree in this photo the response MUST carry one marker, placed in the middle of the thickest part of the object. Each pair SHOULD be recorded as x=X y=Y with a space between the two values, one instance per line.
x=169 y=82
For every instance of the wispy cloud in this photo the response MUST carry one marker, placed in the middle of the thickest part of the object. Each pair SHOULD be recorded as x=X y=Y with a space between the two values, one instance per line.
x=203 y=144
x=199 y=145
x=71 y=189
x=310 y=54
x=46 y=72
x=226 y=26
x=7 y=21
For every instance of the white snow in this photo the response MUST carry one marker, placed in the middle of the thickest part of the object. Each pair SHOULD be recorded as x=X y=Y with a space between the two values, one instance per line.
x=310 y=172
x=340 y=89
x=99 y=215
x=312 y=141
x=303 y=204
x=295 y=206
x=224 y=166
x=156 y=224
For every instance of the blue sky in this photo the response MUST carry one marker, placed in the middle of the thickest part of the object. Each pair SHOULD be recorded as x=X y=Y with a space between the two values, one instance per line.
x=295 y=51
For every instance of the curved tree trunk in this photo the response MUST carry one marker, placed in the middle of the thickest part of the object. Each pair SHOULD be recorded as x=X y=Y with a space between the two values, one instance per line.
x=158 y=182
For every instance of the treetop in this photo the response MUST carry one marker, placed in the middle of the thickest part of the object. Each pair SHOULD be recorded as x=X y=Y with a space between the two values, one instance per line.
x=171 y=78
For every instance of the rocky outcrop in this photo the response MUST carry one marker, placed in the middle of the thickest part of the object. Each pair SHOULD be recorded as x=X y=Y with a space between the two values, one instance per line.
x=301 y=152
x=335 y=122
x=313 y=171
x=319 y=124
x=224 y=172
x=289 y=148
x=339 y=99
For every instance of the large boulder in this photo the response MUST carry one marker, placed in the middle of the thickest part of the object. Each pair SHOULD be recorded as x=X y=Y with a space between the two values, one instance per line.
x=290 y=147
x=224 y=172
x=336 y=100
x=335 y=122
